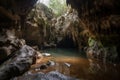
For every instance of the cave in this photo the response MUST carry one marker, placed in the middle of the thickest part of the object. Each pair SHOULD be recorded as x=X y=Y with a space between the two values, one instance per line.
x=67 y=42
x=59 y=40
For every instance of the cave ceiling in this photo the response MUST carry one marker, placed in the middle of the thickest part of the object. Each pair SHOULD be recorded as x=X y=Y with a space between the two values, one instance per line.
x=12 y=9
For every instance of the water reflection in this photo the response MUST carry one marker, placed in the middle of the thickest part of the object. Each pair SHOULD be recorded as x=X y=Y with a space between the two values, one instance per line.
x=63 y=68
x=80 y=68
x=103 y=71
x=94 y=67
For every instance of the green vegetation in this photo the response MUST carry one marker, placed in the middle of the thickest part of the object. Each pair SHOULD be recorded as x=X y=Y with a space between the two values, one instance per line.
x=58 y=6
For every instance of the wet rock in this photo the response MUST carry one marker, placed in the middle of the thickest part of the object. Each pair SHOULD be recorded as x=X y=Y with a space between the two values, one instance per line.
x=50 y=63
x=53 y=75
x=18 y=64
x=44 y=66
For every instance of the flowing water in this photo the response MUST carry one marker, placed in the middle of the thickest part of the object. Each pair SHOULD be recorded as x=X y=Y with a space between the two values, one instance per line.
x=72 y=63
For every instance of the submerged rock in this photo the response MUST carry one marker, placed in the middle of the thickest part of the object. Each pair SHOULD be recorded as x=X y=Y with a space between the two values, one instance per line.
x=44 y=66
x=46 y=54
x=67 y=64
x=50 y=63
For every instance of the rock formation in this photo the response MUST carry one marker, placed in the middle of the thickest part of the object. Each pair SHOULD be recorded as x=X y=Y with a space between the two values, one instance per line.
x=100 y=20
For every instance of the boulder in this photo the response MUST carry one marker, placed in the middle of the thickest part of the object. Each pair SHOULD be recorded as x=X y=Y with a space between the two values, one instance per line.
x=53 y=75
x=18 y=64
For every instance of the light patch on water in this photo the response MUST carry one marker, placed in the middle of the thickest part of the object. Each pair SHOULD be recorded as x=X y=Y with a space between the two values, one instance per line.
x=64 y=52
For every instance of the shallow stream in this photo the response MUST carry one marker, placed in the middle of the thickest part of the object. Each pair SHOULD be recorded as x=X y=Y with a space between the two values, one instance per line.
x=74 y=64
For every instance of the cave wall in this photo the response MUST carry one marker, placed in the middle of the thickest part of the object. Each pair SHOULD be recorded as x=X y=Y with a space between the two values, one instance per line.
x=12 y=13
x=100 y=17
x=100 y=20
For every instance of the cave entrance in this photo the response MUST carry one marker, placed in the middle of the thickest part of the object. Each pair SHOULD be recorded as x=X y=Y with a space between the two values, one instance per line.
x=56 y=23
x=67 y=42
